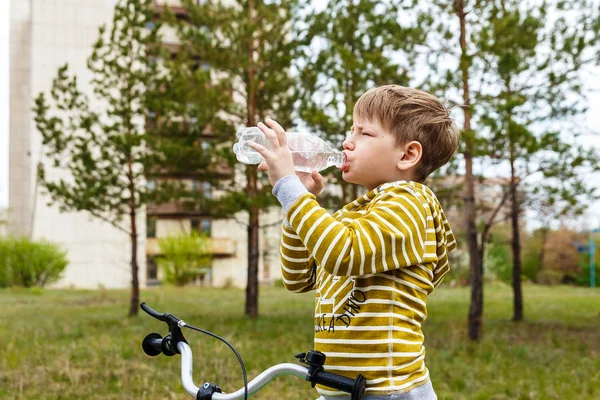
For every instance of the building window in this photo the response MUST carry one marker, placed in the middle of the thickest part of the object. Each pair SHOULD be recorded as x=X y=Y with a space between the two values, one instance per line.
x=202 y=226
x=204 y=187
x=151 y=269
x=150 y=227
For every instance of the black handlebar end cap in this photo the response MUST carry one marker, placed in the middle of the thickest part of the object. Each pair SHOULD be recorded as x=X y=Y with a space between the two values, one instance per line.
x=152 y=344
x=358 y=390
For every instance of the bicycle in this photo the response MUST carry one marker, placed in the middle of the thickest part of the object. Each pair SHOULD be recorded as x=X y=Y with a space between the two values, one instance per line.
x=175 y=343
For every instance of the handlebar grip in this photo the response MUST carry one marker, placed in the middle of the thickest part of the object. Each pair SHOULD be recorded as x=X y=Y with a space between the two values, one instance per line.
x=153 y=313
x=356 y=387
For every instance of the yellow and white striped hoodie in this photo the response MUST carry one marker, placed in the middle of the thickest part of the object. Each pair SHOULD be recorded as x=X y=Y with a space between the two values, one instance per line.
x=372 y=263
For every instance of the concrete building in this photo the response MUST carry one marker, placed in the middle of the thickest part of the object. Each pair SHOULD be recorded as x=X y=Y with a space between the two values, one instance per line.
x=45 y=34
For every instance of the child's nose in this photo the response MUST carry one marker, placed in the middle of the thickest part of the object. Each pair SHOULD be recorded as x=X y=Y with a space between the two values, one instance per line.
x=348 y=144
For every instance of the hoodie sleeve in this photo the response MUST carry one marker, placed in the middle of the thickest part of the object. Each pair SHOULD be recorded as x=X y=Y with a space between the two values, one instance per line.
x=397 y=231
x=298 y=268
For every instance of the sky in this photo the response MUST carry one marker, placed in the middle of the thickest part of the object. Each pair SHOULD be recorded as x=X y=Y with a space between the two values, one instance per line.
x=592 y=118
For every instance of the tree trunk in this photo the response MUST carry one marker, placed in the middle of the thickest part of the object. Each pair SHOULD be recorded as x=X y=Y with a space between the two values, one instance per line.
x=252 y=178
x=475 y=262
x=516 y=241
x=253 y=254
x=135 y=285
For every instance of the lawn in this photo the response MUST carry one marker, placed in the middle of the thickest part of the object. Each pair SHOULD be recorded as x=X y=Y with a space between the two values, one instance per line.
x=63 y=344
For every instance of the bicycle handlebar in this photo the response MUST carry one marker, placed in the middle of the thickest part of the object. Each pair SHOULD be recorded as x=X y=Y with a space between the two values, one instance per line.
x=154 y=344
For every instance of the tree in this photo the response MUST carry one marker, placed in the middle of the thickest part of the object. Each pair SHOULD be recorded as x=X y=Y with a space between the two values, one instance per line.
x=103 y=151
x=454 y=67
x=534 y=62
x=348 y=48
x=248 y=46
x=460 y=62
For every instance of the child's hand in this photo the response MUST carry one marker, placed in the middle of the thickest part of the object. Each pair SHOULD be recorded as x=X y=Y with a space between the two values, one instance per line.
x=313 y=181
x=278 y=159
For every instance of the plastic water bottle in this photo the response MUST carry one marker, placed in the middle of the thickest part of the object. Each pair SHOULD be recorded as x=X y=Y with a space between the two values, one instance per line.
x=309 y=152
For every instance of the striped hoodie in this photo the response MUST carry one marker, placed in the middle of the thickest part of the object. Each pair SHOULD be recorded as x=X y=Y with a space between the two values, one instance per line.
x=372 y=264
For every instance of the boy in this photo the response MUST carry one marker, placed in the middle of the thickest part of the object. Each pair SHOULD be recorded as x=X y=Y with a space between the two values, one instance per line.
x=374 y=262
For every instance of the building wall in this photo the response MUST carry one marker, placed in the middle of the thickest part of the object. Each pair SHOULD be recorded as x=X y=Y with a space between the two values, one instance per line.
x=19 y=222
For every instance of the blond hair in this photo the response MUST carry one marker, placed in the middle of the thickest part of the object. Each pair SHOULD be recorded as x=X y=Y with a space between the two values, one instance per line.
x=412 y=114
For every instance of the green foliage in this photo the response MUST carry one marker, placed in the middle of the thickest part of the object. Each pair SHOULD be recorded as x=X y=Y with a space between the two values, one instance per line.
x=583 y=278
x=184 y=258
x=231 y=69
x=532 y=247
x=534 y=86
x=28 y=263
x=497 y=261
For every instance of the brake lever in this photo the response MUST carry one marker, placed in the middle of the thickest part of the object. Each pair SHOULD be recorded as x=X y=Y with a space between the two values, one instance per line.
x=175 y=324
x=153 y=313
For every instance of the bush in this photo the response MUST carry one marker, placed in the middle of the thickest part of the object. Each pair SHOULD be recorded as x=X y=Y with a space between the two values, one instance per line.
x=4 y=277
x=549 y=277
x=184 y=258
x=28 y=263
x=498 y=262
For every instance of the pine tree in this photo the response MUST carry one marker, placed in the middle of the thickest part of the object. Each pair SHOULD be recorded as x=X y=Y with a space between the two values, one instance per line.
x=535 y=54
x=461 y=60
x=248 y=47
x=455 y=66
x=103 y=148
x=349 y=47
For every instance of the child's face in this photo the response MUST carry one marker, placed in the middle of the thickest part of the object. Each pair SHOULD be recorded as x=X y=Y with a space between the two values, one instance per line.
x=372 y=154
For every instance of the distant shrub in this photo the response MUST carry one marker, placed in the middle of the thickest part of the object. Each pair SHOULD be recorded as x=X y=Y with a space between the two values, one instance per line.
x=498 y=262
x=28 y=263
x=184 y=258
x=4 y=277
x=550 y=277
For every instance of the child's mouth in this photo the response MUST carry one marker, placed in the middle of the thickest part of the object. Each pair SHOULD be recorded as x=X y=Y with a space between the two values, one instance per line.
x=345 y=166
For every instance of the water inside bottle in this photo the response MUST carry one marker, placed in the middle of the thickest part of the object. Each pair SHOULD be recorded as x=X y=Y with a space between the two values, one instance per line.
x=307 y=161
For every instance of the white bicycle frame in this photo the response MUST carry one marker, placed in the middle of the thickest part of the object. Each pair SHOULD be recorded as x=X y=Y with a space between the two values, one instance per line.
x=254 y=385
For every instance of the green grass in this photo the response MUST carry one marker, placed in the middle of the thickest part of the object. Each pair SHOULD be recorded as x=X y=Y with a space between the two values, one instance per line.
x=79 y=345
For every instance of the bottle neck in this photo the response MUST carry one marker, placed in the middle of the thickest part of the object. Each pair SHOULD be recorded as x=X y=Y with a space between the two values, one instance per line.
x=336 y=159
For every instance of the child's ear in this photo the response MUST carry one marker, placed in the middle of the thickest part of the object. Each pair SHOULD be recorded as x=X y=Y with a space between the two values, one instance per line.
x=413 y=151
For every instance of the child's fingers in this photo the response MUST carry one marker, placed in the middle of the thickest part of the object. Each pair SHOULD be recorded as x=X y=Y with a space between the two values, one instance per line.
x=270 y=135
x=318 y=179
x=262 y=150
x=281 y=135
x=263 y=166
